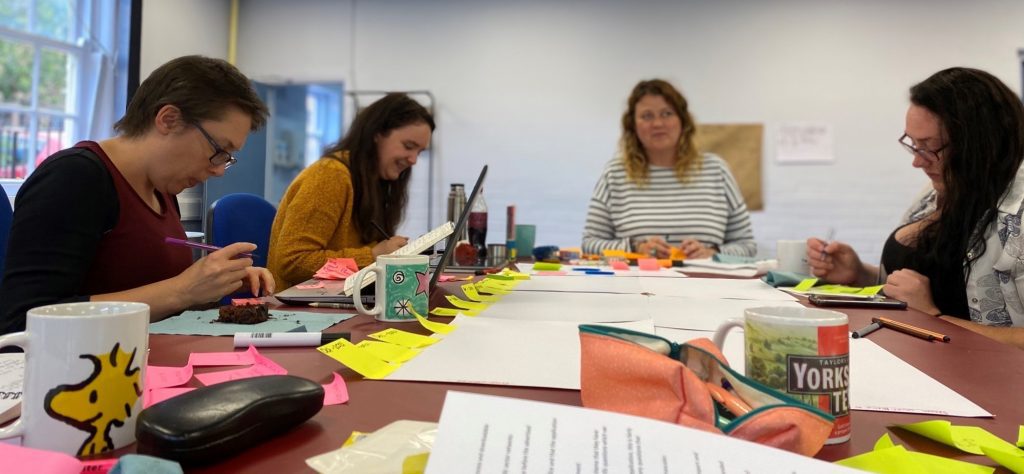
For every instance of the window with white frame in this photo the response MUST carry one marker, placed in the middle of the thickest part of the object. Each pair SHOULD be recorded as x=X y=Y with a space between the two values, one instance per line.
x=52 y=59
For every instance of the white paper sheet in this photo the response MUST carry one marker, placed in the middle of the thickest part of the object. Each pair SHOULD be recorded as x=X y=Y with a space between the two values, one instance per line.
x=713 y=288
x=879 y=381
x=12 y=375
x=590 y=284
x=701 y=313
x=577 y=307
x=481 y=433
x=505 y=352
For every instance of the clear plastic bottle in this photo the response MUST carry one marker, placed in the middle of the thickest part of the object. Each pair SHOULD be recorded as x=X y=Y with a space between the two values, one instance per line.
x=478 y=226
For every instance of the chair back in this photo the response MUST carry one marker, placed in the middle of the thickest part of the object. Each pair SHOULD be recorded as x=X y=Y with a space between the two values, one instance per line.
x=241 y=217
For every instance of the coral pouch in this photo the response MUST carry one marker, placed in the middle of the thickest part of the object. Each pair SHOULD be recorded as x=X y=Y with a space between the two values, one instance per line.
x=212 y=423
x=692 y=385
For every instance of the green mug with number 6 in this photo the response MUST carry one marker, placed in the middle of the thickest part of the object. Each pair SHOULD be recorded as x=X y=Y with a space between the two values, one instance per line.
x=403 y=286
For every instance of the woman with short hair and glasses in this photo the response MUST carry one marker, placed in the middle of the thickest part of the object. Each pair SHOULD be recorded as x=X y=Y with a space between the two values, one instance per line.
x=661 y=192
x=90 y=222
x=958 y=253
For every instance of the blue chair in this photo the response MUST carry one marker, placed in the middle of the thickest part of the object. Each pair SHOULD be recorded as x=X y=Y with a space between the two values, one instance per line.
x=6 y=214
x=241 y=217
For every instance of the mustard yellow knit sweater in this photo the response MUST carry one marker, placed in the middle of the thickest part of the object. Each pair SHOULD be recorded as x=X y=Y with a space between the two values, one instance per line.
x=314 y=222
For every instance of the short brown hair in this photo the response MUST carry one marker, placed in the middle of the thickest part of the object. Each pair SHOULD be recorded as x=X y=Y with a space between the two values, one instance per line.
x=633 y=156
x=202 y=88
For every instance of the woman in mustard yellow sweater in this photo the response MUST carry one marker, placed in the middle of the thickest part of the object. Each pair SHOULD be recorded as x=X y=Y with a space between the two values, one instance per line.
x=333 y=208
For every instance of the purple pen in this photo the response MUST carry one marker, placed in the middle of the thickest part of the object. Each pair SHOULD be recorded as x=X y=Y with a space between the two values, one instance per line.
x=197 y=245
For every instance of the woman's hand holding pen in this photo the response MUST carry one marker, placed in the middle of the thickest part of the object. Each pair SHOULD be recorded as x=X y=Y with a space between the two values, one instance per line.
x=387 y=246
x=220 y=273
x=653 y=246
x=694 y=249
x=834 y=261
x=912 y=287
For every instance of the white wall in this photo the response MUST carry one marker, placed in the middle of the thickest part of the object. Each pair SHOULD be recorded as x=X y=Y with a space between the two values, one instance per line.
x=173 y=28
x=535 y=88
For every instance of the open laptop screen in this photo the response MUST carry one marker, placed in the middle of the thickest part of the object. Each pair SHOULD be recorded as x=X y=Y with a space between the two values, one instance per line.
x=449 y=246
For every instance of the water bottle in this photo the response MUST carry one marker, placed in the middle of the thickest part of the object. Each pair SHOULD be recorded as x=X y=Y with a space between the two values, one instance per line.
x=478 y=226
x=456 y=203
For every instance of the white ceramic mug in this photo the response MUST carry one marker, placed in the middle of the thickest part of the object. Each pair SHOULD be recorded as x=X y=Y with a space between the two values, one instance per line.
x=804 y=352
x=792 y=256
x=84 y=370
x=403 y=285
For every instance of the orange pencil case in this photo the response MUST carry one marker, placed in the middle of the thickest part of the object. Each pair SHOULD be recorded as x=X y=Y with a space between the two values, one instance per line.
x=691 y=385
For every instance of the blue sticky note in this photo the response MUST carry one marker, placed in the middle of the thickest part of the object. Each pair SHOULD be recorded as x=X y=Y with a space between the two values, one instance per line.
x=200 y=323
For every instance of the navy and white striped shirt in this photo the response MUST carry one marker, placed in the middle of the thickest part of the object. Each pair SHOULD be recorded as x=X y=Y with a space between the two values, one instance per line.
x=708 y=208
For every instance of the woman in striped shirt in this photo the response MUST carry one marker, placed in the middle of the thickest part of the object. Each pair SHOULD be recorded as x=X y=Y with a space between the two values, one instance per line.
x=661 y=192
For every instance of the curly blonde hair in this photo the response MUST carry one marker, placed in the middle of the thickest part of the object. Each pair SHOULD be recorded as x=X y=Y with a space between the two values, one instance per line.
x=632 y=152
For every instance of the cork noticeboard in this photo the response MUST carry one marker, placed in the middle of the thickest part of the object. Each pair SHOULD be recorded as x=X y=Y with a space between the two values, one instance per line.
x=740 y=146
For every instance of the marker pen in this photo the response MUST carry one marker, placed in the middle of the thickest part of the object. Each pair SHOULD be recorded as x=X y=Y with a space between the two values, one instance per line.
x=287 y=339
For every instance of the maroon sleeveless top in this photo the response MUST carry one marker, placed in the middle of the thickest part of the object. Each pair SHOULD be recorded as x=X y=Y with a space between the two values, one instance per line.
x=133 y=253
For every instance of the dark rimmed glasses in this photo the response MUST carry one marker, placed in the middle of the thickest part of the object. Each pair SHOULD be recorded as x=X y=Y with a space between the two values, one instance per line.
x=930 y=155
x=220 y=156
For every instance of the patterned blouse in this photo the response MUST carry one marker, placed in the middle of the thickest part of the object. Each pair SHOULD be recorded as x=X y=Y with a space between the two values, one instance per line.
x=996 y=283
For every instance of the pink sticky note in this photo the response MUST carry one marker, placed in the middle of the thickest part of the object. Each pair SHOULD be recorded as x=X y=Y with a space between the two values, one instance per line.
x=246 y=301
x=336 y=392
x=311 y=286
x=619 y=265
x=648 y=264
x=152 y=397
x=197 y=359
x=257 y=370
x=160 y=377
x=19 y=459
x=337 y=269
x=443 y=278
x=549 y=273
x=99 y=466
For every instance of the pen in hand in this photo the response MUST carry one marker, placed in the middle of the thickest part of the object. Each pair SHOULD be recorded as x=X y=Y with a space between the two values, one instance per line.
x=828 y=239
x=197 y=245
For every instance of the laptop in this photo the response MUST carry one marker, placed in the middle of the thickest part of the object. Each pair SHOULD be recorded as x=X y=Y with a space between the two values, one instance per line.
x=332 y=292
x=449 y=246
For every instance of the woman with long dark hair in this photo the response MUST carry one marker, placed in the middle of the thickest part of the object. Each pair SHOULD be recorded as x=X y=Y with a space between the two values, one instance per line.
x=958 y=253
x=339 y=205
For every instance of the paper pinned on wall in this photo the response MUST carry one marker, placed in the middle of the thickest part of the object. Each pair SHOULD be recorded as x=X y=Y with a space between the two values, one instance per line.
x=804 y=142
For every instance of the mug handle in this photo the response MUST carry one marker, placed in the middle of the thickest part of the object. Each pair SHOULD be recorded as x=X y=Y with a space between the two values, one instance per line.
x=357 y=298
x=17 y=428
x=723 y=330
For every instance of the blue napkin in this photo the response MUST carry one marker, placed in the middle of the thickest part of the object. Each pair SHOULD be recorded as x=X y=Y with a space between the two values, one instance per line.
x=139 y=464
x=777 y=279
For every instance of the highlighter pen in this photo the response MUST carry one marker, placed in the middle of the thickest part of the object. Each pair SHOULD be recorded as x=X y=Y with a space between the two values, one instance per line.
x=864 y=331
x=287 y=339
x=197 y=245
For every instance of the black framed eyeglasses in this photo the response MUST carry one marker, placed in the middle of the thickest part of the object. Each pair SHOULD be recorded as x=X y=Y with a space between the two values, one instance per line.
x=220 y=156
x=930 y=155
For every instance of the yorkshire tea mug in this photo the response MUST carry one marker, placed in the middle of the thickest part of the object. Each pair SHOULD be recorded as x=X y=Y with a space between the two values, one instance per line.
x=403 y=285
x=804 y=352
x=84 y=370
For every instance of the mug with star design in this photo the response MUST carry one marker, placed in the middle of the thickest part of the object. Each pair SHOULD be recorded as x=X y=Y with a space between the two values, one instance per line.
x=403 y=286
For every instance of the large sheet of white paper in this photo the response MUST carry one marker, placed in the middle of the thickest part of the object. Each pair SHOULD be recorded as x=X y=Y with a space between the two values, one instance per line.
x=578 y=307
x=590 y=284
x=714 y=288
x=879 y=381
x=505 y=352
x=482 y=433
x=12 y=377
x=701 y=313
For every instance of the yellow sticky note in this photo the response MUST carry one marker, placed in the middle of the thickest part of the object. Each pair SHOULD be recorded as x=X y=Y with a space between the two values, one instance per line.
x=387 y=351
x=1011 y=461
x=884 y=442
x=461 y=303
x=470 y=290
x=359 y=360
x=503 y=284
x=453 y=312
x=896 y=459
x=547 y=267
x=355 y=436
x=1020 y=437
x=404 y=338
x=969 y=439
x=498 y=277
x=415 y=464
x=515 y=275
x=805 y=284
x=432 y=326
x=492 y=289
x=870 y=290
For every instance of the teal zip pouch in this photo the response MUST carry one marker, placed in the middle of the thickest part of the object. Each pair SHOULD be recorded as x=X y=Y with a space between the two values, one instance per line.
x=691 y=385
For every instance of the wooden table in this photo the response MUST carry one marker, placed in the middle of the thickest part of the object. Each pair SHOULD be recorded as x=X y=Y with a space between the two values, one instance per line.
x=989 y=373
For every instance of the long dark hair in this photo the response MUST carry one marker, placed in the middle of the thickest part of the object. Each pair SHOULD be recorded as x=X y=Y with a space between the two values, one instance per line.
x=375 y=199
x=984 y=123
